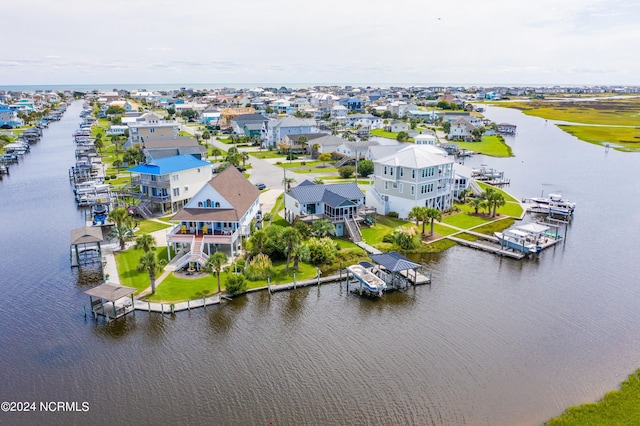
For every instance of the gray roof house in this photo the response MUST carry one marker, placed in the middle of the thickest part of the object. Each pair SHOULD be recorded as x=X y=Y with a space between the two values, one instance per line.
x=253 y=121
x=338 y=203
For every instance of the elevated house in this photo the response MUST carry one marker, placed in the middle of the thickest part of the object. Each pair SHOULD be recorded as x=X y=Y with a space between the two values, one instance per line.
x=342 y=204
x=294 y=144
x=151 y=126
x=9 y=117
x=461 y=129
x=426 y=139
x=216 y=218
x=167 y=184
x=417 y=175
x=274 y=131
x=155 y=148
x=248 y=124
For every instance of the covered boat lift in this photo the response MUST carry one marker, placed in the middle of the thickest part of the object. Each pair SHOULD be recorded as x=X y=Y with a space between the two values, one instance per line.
x=397 y=268
x=111 y=300
x=85 y=246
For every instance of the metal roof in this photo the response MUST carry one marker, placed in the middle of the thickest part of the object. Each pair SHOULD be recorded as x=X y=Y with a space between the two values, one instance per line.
x=86 y=235
x=394 y=261
x=316 y=193
x=111 y=292
x=163 y=166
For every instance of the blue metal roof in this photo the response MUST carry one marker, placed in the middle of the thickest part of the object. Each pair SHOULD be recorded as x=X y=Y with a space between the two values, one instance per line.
x=394 y=261
x=163 y=166
x=316 y=193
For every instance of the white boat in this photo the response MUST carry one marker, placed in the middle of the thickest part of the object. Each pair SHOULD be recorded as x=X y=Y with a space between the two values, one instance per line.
x=554 y=204
x=518 y=240
x=367 y=279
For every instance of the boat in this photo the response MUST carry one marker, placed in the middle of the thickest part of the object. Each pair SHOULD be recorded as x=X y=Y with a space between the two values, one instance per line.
x=367 y=279
x=518 y=240
x=554 y=204
x=99 y=213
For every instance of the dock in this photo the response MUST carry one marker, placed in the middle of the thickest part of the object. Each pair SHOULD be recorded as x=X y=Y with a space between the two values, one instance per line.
x=498 y=250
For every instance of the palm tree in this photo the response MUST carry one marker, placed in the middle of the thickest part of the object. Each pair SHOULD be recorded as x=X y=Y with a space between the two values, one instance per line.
x=146 y=242
x=417 y=213
x=214 y=264
x=476 y=203
x=245 y=157
x=322 y=228
x=120 y=217
x=290 y=237
x=258 y=240
x=318 y=181
x=122 y=234
x=287 y=182
x=498 y=201
x=150 y=263
x=215 y=152
x=431 y=214
x=488 y=196
x=463 y=195
x=303 y=141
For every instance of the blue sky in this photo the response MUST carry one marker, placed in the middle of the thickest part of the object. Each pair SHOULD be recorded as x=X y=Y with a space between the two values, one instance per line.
x=331 y=41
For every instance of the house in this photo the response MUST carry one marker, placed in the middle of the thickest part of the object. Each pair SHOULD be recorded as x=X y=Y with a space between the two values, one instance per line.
x=339 y=112
x=167 y=184
x=369 y=121
x=398 y=126
x=216 y=219
x=9 y=117
x=461 y=129
x=351 y=149
x=274 y=130
x=248 y=124
x=417 y=175
x=211 y=117
x=337 y=202
x=352 y=104
x=115 y=129
x=151 y=126
x=292 y=142
x=426 y=139
x=155 y=148
x=325 y=143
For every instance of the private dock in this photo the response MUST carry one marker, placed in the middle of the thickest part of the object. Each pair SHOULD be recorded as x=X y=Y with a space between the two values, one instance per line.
x=498 y=250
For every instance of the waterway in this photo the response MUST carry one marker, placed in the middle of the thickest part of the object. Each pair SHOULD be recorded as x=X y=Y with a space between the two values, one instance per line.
x=492 y=341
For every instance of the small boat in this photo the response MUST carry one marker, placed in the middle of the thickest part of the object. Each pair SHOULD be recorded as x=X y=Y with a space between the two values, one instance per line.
x=518 y=241
x=554 y=204
x=99 y=213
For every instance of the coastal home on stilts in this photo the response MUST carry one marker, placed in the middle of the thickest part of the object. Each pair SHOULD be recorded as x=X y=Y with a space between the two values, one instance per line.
x=216 y=218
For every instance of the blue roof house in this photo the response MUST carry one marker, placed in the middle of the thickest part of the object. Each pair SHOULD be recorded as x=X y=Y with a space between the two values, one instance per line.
x=167 y=184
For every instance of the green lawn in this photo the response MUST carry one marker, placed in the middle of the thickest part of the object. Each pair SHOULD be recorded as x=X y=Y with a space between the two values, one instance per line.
x=496 y=226
x=506 y=195
x=268 y=154
x=384 y=134
x=465 y=220
x=384 y=225
x=618 y=407
x=493 y=146
x=148 y=226
x=127 y=262
x=619 y=138
x=174 y=289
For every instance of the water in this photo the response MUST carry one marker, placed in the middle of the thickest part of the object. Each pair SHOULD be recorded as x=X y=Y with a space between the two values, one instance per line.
x=491 y=341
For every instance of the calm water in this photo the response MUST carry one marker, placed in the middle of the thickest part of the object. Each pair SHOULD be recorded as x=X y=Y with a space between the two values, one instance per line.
x=492 y=341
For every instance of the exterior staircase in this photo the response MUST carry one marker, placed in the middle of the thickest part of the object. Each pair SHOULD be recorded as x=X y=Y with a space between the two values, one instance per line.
x=344 y=160
x=353 y=230
x=195 y=255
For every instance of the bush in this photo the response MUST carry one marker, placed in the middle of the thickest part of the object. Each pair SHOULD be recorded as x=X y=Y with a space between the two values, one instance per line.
x=106 y=178
x=114 y=177
x=278 y=163
x=393 y=215
x=235 y=284
x=322 y=250
x=304 y=163
x=259 y=268
x=346 y=171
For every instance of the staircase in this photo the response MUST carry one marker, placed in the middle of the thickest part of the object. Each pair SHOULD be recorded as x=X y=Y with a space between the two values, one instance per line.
x=353 y=229
x=194 y=255
x=344 y=160
x=143 y=210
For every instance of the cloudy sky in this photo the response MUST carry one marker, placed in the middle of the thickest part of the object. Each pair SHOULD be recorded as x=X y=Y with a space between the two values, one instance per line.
x=331 y=41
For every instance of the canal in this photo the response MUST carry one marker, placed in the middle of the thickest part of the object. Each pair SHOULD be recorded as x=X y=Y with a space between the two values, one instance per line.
x=491 y=341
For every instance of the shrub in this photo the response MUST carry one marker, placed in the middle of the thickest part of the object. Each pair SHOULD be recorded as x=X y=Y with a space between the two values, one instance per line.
x=393 y=215
x=235 y=284
x=278 y=163
x=259 y=268
x=322 y=250
x=304 y=163
x=346 y=171
x=106 y=178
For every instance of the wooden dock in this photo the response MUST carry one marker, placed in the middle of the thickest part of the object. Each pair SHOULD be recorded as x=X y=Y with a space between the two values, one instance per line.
x=490 y=249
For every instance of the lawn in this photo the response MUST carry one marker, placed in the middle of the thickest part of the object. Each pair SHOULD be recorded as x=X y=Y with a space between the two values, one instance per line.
x=148 y=226
x=384 y=134
x=127 y=262
x=383 y=226
x=620 y=138
x=465 y=220
x=618 y=407
x=493 y=146
x=175 y=289
x=495 y=226
x=267 y=154
x=505 y=194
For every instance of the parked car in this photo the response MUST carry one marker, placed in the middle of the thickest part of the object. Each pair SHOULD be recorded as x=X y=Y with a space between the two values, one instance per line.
x=261 y=186
x=241 y=169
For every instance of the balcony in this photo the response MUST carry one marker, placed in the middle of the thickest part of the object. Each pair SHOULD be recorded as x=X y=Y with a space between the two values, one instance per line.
x=145 y=181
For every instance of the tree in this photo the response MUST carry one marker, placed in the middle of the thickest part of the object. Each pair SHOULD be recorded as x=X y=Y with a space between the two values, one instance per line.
x=170 y=111
x=206 y=135
x=322 y=250
x=419 y=214
x=235 y=284
x=431 y=214
x=257 y=241
x=287 y=183
x=133 y=155
x=365 y=167
x=446 y=127
x=477 y=133
x=498 y=201
x=214 y=264
x=324 y=157
x=122 y=234
x=322 y=228
x=488 y=196
x=318 y=181
x=98 y=142
x=149 y=262
x=115 y=110
x=245 y=157
x=146 y=242
x=120 y=217
x=402 y=137
x=189 y=114
x=215 y=152
x=303 y=141
x=346 y=171
x=290 y=237
x=476 y=203
x=463 y=194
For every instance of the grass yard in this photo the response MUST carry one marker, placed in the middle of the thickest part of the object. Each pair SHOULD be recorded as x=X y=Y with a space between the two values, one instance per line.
x=175 y=289
x=268 y=154
x=148 y=226
x=127 y=263
x=507 y=196
x=384 y=225
x=465 y=220
x=496 y=226
x=618 y=407
x=493 y=146
x=620 y=138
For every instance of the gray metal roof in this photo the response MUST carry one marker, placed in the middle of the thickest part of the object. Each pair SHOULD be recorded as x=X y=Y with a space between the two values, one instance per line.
x=316 y=193
x=111 y=292
x=394 y=261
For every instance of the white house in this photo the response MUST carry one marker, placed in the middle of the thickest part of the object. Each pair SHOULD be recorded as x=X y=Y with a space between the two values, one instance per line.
x=167 y=184
x=216 y=219
x=274 y=130
x=425 y=139
x=461 y=129
x=417 y=175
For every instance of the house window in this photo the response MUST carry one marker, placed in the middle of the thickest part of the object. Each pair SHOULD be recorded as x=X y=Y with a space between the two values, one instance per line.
x=217 y=204
x=200 y=204
x=152 y=130
x=208 y=203
x=386 y=185
x=198 y=170
x=395 y=185
x=384 y=171
x=413 y=189
x=175 y=177
x=391 y=171
x=186 y=189
x=413 y=173
x=176 y=192
x=401 y=171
